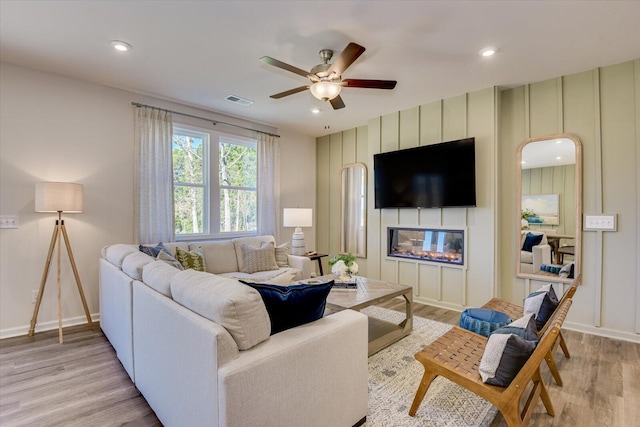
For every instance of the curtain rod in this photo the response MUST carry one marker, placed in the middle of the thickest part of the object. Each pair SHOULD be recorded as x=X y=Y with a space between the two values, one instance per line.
x=215 y=122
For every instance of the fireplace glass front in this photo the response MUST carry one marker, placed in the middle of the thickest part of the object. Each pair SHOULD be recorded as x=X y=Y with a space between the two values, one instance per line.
x=426 y=244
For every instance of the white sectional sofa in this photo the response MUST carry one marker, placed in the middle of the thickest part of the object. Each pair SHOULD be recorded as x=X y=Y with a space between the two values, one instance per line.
x=197 y=346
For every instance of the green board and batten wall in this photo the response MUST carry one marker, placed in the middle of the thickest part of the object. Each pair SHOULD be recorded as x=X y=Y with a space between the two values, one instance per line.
x=601 y=107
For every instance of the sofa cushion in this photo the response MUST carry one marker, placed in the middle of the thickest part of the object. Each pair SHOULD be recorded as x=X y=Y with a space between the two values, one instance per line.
x=157 y=275
x=258 y=259
x=193 y=259
x=282 y=254
x=173 y=246
x=133 y=263
x=154 y=250
x=503 y=357
x=542 y=304
x=115 y=254
x=238 y=308
x=219 y=256
x=531 y=240
x=291 y=306
x=282 y=276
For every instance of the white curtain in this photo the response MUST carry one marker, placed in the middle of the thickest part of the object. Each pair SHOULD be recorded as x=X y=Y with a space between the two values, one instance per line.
x=153 y=191
x=268 y=185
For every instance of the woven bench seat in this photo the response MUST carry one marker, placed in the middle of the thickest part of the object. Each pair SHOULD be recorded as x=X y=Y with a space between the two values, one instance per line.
x=456 y=355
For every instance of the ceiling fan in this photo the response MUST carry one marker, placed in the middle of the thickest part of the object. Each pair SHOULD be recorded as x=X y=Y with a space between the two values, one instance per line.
x=326 y=79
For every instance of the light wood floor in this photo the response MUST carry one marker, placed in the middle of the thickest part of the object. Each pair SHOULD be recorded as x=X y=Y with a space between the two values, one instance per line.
x=82 y=383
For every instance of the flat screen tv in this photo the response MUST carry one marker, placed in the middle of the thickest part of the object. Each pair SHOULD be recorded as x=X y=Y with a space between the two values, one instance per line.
x=431 y=176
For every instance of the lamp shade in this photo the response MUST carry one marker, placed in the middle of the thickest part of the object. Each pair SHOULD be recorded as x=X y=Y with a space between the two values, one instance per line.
x=325 y=90
x=297 y=217
x=59 y=197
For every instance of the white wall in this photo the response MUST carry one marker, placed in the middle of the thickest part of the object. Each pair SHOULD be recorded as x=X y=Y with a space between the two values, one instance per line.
x=54 y=128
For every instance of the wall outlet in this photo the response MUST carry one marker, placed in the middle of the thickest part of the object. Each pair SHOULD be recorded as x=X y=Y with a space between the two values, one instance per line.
x=34 y=296
x=9 y=221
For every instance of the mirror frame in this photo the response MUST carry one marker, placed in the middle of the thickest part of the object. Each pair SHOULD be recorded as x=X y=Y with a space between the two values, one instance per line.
x=346 y=198
x=578 y=210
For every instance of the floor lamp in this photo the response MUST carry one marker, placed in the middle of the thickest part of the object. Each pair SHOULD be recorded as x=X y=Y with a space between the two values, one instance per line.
x=59 y=197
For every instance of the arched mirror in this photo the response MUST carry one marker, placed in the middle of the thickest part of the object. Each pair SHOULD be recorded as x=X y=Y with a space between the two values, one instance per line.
x=549 y=208
x=353 y=214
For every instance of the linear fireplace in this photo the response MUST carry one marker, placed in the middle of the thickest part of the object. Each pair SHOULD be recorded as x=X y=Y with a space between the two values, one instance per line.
x=426 y=244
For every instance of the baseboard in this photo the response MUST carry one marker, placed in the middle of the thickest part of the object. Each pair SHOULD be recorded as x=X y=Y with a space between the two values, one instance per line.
x=439 y=304
x=47 y=326
x=602 y=332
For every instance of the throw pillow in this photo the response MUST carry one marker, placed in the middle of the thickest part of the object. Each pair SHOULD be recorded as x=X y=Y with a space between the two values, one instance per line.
x=525 y=327
x=567 y=271
x=153 y=251
x=282 y=254
x=163 y=256
x=193 y=259
x=258 y=259
x=295 y=305
x=503 y=357
x=531 y=240
x=542 y=304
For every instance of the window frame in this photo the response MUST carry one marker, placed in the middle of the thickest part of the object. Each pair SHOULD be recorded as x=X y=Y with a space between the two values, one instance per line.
x=211 y=189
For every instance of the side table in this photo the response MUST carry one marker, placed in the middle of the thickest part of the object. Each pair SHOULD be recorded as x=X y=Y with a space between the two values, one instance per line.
x=317 y=257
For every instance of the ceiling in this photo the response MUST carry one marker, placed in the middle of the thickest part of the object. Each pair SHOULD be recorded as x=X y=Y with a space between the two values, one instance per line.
x=199 y=52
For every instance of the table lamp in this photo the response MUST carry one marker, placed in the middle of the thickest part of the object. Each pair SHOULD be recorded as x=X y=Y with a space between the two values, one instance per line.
x=59 y=197
x=298 y=218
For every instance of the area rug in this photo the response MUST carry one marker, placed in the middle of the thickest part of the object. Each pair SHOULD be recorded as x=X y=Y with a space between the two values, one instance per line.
x=394 y=375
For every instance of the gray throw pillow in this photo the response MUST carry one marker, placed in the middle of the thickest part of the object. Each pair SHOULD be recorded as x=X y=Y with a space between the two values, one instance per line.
x=525 y=327
x=503 y=357
x=282 y=254
x=258 y=259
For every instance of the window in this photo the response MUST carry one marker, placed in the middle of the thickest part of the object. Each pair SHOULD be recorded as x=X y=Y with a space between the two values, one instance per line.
x=215 y=180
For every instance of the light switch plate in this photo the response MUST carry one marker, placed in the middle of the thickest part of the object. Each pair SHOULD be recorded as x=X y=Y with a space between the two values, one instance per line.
x=600 y=222
x=9 y=221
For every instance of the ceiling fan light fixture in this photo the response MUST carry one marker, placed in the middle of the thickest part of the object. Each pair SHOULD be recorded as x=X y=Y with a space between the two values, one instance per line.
x=325 y=90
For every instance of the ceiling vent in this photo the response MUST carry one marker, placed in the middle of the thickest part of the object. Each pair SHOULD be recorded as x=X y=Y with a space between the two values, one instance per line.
x=238 y=100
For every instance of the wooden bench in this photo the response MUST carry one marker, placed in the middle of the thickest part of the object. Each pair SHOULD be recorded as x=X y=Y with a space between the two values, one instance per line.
x=456 y=356
x=516 y=311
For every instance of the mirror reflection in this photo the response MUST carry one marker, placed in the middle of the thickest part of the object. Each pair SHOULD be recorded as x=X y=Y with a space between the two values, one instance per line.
x=550 y=208
x=353 y=218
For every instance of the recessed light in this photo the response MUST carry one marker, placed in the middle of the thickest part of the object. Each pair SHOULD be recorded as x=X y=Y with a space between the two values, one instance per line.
x=488 y=51
x=315 y=110
x=121 y=46
x=558 y=158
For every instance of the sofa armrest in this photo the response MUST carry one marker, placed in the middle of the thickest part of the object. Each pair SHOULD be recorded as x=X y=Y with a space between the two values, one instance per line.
x=541 y=255
x=303 y=264
x=313 y=375
x=177 y=353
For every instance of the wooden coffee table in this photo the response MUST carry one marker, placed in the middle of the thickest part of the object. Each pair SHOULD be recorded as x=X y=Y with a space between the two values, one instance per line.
x=370 y=292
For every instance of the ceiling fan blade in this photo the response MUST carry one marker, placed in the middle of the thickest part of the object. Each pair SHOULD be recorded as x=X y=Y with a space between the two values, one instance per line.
x=346 y=58
x=337 y=103
x=289 y=92
x=271 y=61
x=370 y=84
